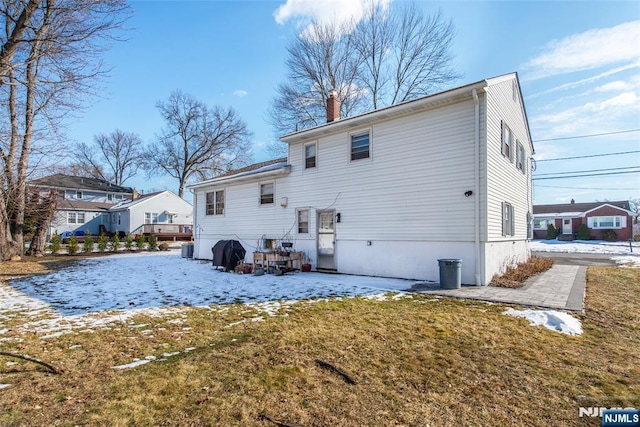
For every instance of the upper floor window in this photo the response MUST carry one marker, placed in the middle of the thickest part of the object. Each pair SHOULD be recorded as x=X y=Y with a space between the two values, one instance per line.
x=78 y=194
x=310 y=156
x=507 y=142
x=215 y=203
x=150 y=217
x=266 y=193
x=360 y=146
x=508 y=223
x=110 y=197
x=303 y=221
x=520 y=162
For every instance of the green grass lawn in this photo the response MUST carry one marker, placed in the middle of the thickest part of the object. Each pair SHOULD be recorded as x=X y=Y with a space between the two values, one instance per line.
x=418 y=361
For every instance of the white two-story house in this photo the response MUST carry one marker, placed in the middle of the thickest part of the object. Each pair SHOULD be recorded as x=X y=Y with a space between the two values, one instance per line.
x=389 y=192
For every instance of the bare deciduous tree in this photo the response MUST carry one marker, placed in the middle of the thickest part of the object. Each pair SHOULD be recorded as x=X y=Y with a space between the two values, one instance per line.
x=115 y=157
x=48 y=57
x=197 y=140
x=391 y=55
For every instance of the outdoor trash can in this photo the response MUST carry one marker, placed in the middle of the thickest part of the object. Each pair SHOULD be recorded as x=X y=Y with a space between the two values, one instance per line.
x=450 y=273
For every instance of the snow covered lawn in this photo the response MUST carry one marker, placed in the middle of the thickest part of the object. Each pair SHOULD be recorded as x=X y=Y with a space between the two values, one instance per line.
x=620 y=251
x=152 y=280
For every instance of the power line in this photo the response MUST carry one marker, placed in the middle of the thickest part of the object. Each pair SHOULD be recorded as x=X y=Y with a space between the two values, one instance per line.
x=588 y=188
x=587 y=136
x=589 y=156
x=587 y=171
x=581 y=176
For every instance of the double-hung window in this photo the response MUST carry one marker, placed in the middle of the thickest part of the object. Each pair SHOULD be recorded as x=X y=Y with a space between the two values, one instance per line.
x=79 y=195
x=71 y=218
x=266 y=194
x=303 y=221
x=310 y=156
x=215 y=203
x=150 y=217
x=360 y=145
x=520 y=163
x=507 y=142
x=508 y=222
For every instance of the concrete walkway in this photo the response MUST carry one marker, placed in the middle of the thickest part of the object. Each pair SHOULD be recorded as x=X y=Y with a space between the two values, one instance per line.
x=561 y=288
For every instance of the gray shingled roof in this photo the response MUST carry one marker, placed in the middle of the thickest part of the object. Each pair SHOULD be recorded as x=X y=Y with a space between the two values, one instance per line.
x=576 y=207
x=61 y=181
x=73 y=205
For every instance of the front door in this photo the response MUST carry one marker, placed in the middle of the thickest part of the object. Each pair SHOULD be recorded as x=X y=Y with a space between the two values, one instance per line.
x=567 y=227
x=326 y=240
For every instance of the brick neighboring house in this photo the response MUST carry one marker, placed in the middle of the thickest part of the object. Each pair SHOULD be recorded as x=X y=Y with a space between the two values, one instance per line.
x=599 y=217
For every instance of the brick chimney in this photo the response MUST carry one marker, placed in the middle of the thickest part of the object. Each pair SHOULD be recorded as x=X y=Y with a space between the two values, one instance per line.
x=333 y=107
x=573 y=201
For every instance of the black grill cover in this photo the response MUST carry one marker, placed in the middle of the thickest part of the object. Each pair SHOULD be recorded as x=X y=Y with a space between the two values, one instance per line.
x=227 y=254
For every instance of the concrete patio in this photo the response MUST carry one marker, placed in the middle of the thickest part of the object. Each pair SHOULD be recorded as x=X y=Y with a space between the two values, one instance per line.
x=561 y=287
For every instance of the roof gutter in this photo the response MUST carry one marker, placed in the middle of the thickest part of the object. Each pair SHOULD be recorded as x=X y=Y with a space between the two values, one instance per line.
x=244 y=178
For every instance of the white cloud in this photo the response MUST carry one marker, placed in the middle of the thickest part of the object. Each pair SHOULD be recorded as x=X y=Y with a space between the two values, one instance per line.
x=240 y=93
x=622 y=100
x=324 y=11
x=613 y=86
x=588 y=50
x=585 y=81
x=602 y=115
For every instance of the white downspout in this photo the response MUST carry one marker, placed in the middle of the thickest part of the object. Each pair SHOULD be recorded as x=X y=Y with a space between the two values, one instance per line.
x=196 y=252
x=476 y=190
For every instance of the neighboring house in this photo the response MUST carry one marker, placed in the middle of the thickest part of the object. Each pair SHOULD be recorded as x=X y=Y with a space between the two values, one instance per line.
x=389 y=192
x=83 y=203
x=599 y=217
x=163 y=214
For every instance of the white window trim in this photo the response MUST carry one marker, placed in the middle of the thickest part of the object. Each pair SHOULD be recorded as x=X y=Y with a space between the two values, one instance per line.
x=304 y=155
x=510 y=222
x=273 y=203
x=594 y=223
x=308 y=221
x=357 y=133
x=212 y=204
x=72 y=215
x=81 y=195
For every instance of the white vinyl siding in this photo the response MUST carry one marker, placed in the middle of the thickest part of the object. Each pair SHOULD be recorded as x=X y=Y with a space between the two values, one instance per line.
x=504 y=182
x=440 y=213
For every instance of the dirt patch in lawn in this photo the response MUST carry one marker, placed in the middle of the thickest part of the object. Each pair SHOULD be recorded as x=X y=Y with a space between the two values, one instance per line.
x=516 y=277
x=415 y=361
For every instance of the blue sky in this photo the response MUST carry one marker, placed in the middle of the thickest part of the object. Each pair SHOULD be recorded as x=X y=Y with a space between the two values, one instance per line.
x=578 y=63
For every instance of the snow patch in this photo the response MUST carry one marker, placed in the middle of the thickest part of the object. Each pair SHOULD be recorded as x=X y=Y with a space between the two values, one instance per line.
x=132 y=364
x=551 y=319
x=4 y=386
x=628 y=261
